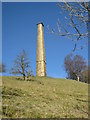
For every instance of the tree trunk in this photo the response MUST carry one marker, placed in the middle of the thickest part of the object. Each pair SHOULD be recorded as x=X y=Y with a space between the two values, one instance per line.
x=78 y=78
x=24 y=76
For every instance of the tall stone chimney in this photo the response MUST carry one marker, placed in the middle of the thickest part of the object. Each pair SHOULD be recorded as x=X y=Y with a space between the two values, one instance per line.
x=41 y=58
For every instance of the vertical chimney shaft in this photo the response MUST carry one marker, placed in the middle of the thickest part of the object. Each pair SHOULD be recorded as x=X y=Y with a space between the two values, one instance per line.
x=41 y=59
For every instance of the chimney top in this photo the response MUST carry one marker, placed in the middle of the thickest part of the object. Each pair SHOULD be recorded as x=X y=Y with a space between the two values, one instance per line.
x=40 y=23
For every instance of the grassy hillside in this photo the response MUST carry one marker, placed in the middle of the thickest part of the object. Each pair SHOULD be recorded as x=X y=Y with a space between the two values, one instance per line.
x=44 y=98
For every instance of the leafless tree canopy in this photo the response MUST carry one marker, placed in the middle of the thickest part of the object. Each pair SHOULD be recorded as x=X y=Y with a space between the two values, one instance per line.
x=75 y=27
x=75 y=67
x=21 y=65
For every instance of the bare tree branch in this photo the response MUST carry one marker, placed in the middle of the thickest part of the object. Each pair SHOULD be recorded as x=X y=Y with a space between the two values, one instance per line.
x=76 y=21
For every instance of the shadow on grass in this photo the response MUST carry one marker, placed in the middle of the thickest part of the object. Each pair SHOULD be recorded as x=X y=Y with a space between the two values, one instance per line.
x=19 y=78
x=82 y=100
x=11 y=92
x=32 y=79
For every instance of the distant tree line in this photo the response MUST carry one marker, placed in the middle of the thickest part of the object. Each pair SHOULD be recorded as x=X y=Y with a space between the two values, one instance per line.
x=76 y=68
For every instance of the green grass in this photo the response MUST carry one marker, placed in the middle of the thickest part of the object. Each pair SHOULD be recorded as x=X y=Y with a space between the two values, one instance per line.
x=44 y=97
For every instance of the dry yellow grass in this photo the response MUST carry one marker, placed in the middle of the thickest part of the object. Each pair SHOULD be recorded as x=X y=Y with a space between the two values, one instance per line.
x=44 y=97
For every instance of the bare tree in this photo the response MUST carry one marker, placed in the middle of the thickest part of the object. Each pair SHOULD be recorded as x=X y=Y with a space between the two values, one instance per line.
x=75 y=67
x=21 y=65
x=2 y=67
x=76 y=22
x=85 y=76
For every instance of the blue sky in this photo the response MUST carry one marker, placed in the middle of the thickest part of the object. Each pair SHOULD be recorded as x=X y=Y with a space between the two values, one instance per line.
x=19 y=31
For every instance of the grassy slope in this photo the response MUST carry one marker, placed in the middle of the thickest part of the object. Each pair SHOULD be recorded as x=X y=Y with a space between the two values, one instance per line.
x=44 y=98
